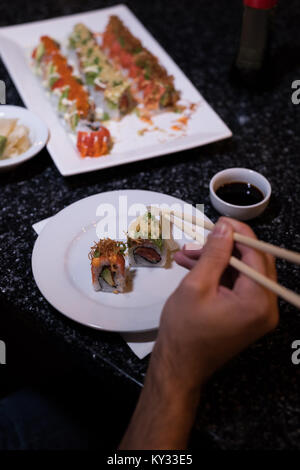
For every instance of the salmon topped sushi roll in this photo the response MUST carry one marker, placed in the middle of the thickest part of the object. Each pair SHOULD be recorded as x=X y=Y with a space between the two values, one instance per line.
x=70 y=97
x=108 y=266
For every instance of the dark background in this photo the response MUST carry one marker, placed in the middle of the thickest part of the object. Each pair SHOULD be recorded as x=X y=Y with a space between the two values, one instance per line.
x=253 y=403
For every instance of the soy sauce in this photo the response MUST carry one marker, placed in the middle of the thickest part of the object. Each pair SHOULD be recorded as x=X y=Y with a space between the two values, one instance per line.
x=240 y=194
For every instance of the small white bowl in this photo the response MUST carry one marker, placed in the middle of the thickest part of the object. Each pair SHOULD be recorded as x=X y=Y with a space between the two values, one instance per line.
x=38 y=134
x=245 y=175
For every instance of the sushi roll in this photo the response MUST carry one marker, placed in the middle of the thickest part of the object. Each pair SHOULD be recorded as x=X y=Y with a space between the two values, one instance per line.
x=146 y=247
x=67 y=91
x=108 y=266
x=151 y=79
x=93 y=140
x=108 y=86
x=71 y=99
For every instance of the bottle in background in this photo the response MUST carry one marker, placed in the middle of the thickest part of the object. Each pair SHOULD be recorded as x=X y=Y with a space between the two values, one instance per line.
x=252 y=66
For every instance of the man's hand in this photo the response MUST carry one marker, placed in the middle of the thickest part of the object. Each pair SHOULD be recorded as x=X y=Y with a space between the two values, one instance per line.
x=203 y=323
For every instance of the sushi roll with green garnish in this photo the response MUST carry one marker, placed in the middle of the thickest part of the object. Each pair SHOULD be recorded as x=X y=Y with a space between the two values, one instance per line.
x=146 y=247
x=108 y=86
x=108 y=266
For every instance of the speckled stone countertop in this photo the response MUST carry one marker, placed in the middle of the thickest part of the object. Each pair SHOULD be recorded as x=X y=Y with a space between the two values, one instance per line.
x=253 y=403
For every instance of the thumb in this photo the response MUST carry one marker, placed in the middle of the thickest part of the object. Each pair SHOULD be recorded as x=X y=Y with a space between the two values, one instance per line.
x=215 y=255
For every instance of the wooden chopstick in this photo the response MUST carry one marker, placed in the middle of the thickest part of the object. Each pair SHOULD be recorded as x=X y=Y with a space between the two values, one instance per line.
x=273 y=286
x=277 y=251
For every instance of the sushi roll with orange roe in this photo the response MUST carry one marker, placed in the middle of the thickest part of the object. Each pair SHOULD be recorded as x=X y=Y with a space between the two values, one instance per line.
x=108 y=266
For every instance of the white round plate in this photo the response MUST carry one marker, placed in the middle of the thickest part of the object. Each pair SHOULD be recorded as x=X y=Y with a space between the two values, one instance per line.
x=61 y=267
x=38 y=134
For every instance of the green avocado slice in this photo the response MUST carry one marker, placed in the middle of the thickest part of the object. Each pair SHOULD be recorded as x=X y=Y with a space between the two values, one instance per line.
x=107 y=276
x=40 y=52
x=3 y=141
x=64 y=94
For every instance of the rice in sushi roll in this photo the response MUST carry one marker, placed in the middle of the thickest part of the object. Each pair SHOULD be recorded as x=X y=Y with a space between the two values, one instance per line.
x=146 y=247
x=108 y=266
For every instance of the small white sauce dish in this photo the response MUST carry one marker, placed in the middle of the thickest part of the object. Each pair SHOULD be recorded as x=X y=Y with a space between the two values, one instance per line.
x=234 y=175
x=38 y=134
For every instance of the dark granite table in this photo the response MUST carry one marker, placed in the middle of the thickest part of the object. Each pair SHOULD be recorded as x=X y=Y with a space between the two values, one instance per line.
x=254 y=401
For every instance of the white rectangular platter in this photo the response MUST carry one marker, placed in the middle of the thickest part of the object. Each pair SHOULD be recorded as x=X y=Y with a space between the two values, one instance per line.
x=132 y=141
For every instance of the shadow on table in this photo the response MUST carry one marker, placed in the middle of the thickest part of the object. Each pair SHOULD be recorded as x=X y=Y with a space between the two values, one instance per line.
x=140 y=337
x=46 y=376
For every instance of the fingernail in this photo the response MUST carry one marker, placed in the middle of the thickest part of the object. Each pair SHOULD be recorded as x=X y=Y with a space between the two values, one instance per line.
x=220 y=230
x=193 y=246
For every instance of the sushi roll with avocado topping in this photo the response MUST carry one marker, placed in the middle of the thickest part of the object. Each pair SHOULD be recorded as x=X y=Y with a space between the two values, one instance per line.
x=146 y=247
x=109 y=87
x=67 y=91
x=108 y=266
